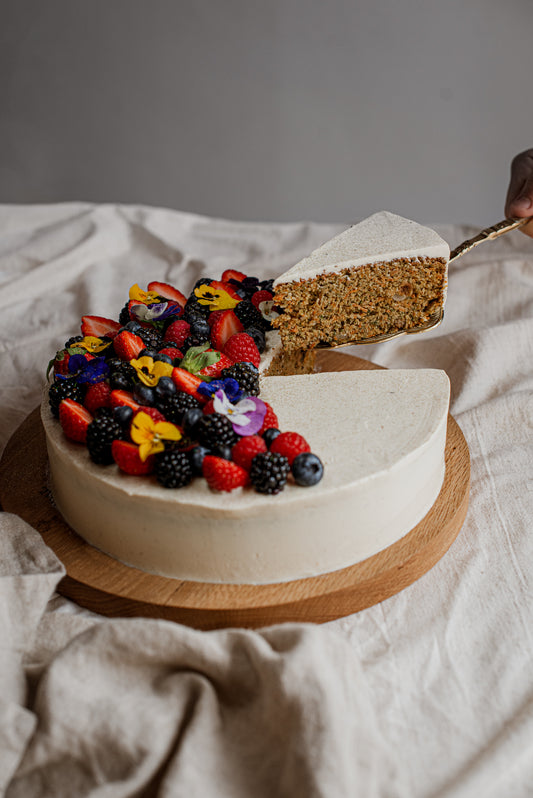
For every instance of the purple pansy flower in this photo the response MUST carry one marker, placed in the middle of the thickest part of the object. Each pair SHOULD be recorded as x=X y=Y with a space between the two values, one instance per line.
x=246 y=416
x=155 y=312
x=87 y=371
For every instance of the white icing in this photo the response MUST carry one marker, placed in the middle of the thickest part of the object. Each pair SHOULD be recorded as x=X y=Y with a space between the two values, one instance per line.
x=380 y=238
x=380 y=434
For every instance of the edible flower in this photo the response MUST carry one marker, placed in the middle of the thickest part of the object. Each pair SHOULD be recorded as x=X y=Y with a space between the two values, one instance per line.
x=246 y=416
x=230 y=387
x=86 y=371
x=146 y=297
x=149 y=370
x=150 y=435
x=268 y=309
x=215 y=298
x=92 y=344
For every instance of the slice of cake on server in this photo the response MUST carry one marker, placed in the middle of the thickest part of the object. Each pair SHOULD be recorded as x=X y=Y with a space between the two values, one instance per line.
x=384 y=275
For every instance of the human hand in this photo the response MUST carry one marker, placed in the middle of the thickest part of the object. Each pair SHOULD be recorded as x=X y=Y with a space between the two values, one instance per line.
x=519 y=201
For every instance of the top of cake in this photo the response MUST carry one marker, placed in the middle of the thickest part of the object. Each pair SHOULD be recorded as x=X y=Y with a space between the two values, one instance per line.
x=382 y=237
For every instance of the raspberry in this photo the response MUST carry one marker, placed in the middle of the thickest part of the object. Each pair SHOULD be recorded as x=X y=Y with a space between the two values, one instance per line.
x=261 y=296
x=222 y=474
x=246 y=449
x=269 y=472
x=270 y=420
x=98 y=395
x=242 y=347
x=177 y=332
x=290 y=444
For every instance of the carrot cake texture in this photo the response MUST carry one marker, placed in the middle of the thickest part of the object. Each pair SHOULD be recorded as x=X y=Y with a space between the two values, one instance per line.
x=386 y=274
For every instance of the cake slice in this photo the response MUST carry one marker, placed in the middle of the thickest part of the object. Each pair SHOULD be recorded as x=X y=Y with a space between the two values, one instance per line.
x=384 y=275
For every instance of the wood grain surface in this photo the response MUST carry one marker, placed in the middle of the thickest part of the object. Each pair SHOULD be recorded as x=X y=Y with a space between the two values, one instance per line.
x=100 y=583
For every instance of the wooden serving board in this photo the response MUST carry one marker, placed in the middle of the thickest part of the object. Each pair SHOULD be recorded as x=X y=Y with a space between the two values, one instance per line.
x=104 y=585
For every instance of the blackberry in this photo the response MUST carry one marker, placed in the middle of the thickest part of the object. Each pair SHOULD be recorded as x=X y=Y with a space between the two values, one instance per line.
x=101 y=433
x=173 y=406
x=250 y=285
x=151 y=337
x=215 y=430
x=269 y=472
x=121 y=374
x=73 y=340
x=248 y=314
x=64 y=389
x=246 y=374
x=194 y=310
x=124 y=316
x=267 y=285
x=173 y=469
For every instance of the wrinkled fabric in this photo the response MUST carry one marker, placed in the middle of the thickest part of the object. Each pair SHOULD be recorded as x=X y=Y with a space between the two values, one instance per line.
x=429 y=693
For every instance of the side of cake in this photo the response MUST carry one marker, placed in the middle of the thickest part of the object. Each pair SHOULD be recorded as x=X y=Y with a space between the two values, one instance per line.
x=384 y=275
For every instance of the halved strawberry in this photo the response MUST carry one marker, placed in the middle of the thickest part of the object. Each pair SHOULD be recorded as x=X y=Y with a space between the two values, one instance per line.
x=226 y=325
x=232 y=274
x=98 y=395
x=118 y=398
x=99 y=326
x=167 y=292
x=216 y=368
x=222 y=474
x=126 y=456
x=177 y=332
x=213 y=316
x=187 y=382
x=74 y=419
x=127 y=345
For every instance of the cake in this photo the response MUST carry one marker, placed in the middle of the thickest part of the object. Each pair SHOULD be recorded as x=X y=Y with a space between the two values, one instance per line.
x=384 y=275
x=174 y=449
x=380 y=435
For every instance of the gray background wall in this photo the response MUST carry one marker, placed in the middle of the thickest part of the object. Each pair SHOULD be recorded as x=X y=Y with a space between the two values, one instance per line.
x=274 y=110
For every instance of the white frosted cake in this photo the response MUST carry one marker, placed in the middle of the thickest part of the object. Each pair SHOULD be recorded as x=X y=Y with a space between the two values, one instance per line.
x=383 y=275
x=380 y=435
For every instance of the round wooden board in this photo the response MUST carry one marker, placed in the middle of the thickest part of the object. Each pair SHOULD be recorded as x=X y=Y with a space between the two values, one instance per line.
x=104 y=585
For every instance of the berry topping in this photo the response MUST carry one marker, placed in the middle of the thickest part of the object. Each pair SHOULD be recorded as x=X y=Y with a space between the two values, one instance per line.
x=74 y=419
x=177 y=332
x=119 y=398
x=98 y=395
x=64 y=389
x=270 y=420
x=226 y=325
x=173 y=469
x=289 y=444
x=232 y=274
x=126 y=456
x=99 y=326
x=101 y=433
x=223 y=475
x=248 y=315
x=173 y=406
x=261 y=296
x=241 y=347
x=246 y=375
x=270 y=435
x=307 y=469
x=187 y=382
x=269 y=472
x=246 y=449
x=215 y=430
x=127 y=345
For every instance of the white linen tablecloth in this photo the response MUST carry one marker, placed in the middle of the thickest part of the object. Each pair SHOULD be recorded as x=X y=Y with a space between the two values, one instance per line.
x=429 y=693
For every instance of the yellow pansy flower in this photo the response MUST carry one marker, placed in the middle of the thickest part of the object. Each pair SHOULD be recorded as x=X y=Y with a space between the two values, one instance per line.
x=149 y=370
x=149 y=435
x=92 y=344
x=146 y=297
x=216 y=298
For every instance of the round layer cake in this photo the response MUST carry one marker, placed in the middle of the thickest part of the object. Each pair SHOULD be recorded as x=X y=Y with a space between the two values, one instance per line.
x=380 y=434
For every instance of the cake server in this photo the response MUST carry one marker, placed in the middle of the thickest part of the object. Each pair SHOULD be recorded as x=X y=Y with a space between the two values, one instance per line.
x=488 y=234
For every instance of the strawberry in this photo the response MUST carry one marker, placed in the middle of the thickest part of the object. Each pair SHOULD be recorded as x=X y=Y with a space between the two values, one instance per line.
x=118 y=398
x=167 y=292
x=261 y=296
x=153 y=412
x=246 y=449
x=187 y=382
x=171 y=351
x=209 y=407
x=289 y=444
x=216 y=369
x=60 y=363
x=232 y=274
x=213 y=316
x=126 y=456
x=98 y=326
x=227 y=287
x=98 y=395
x=177 y=332
x=74 y=419
x=270 y=420
x=127 y=345
x=242 y=348
x=222 y=474
x=226 y=325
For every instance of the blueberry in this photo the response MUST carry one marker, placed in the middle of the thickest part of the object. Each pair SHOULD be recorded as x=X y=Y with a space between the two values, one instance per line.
x=200 y=329
x=123 y=414
x=222 y=451
x=258 y=336
x=165 y=387
x=144 y=394
x=269 y=435
x=147 y=353
x=190 y=418
x=133 y=326
x=307 y=469
x=196 y=458
x=163 y=358
x=119 y=382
